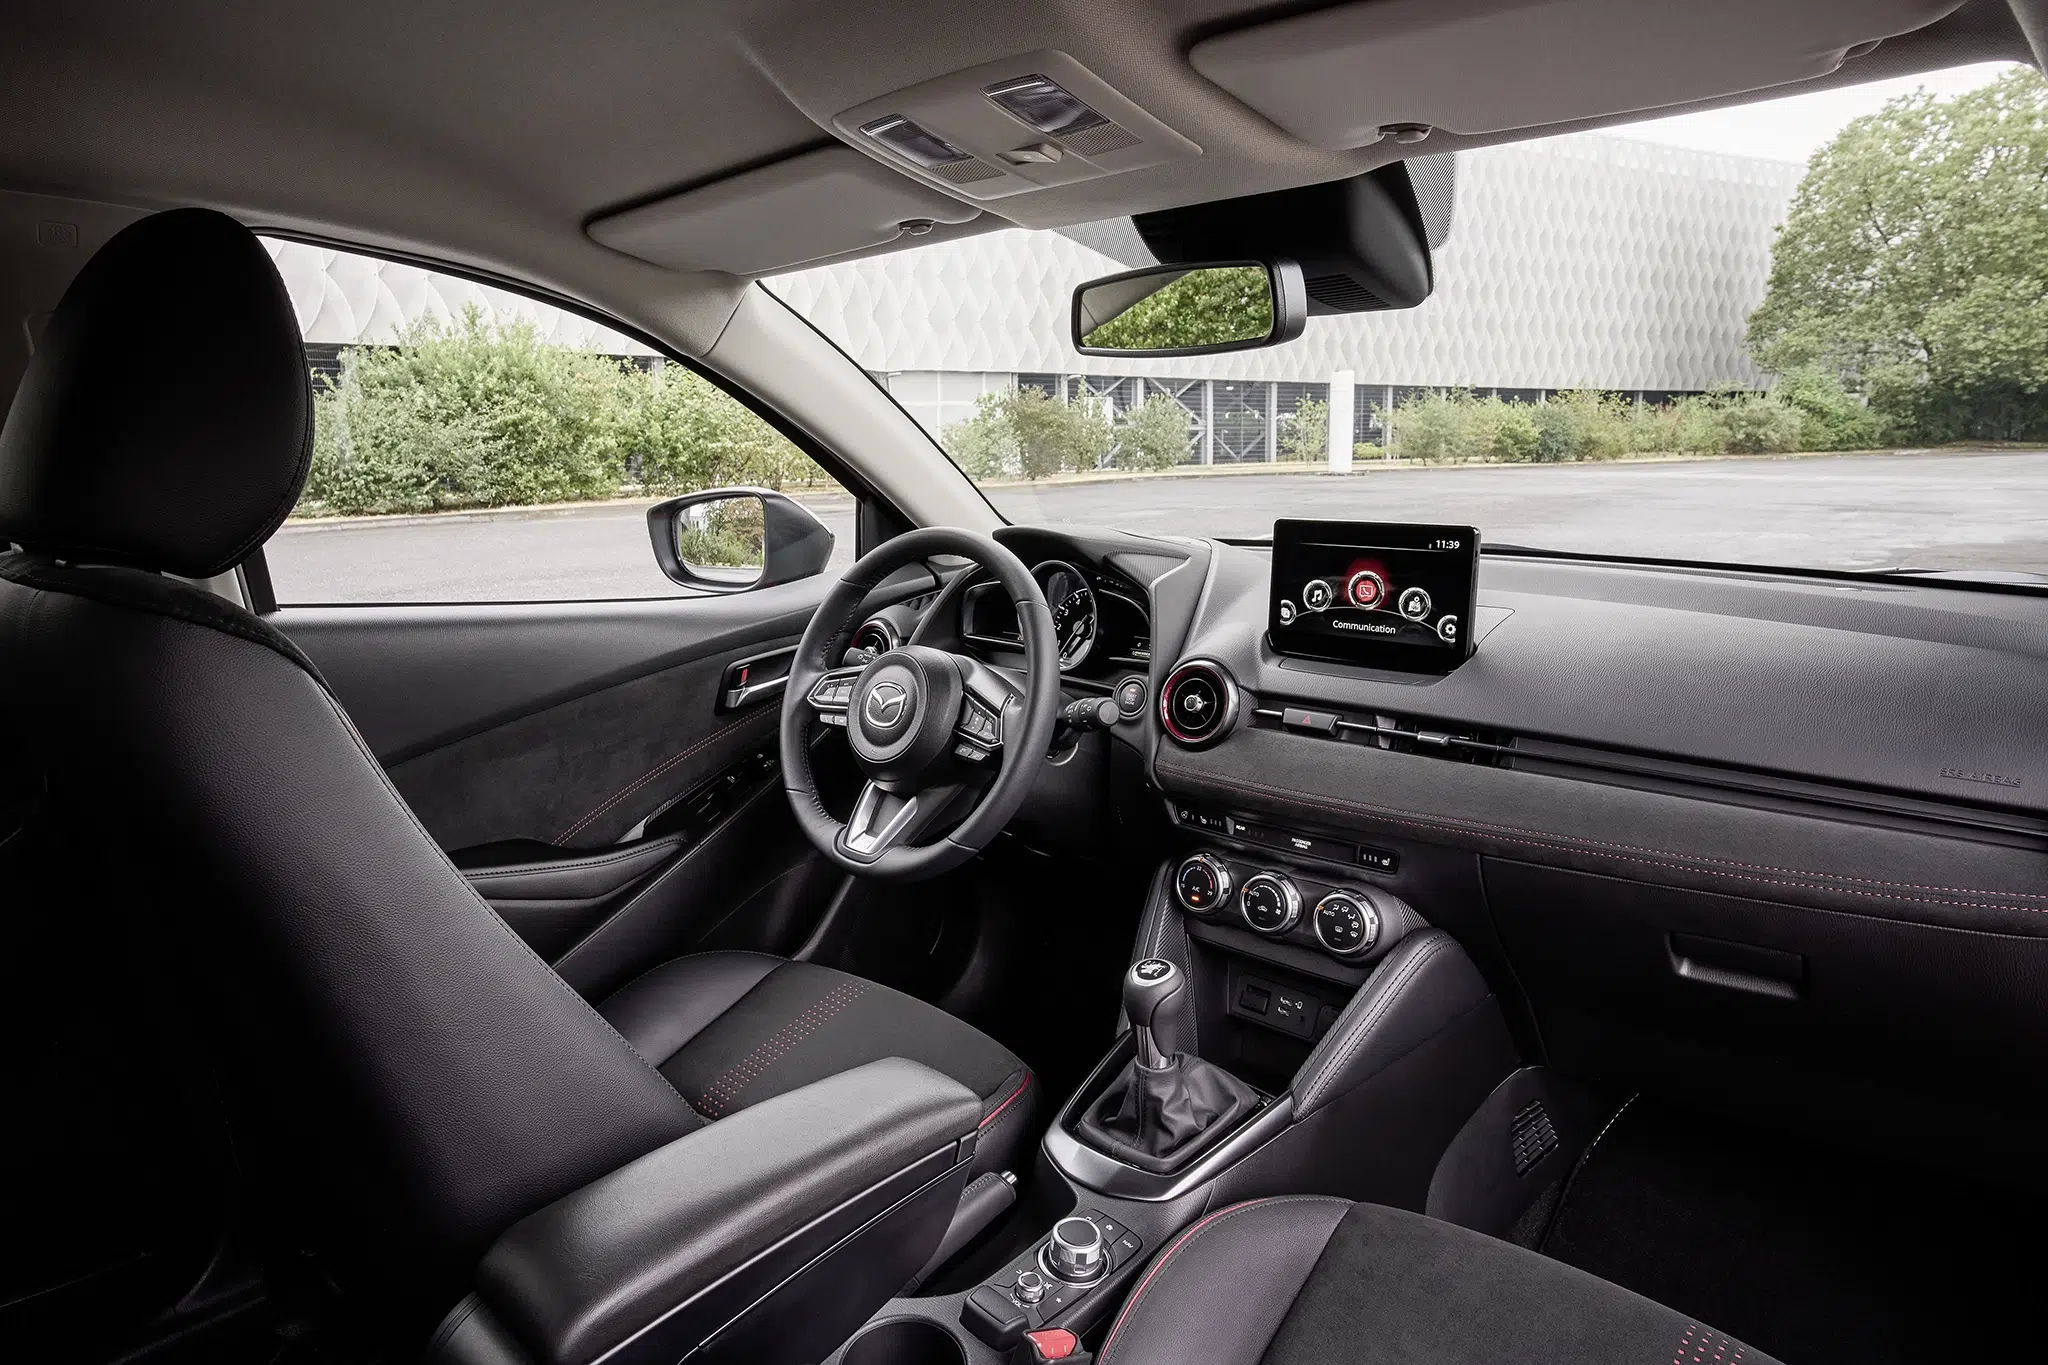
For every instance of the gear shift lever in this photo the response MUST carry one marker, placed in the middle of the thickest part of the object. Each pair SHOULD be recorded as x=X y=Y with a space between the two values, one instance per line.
x=1153 y=991
x=1169 y=1104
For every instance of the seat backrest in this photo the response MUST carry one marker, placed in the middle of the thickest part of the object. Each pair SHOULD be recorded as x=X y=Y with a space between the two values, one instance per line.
x=384 y=1035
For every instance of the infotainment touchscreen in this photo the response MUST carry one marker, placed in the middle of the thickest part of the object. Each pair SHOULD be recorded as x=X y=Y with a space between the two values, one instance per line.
x=1387 y=594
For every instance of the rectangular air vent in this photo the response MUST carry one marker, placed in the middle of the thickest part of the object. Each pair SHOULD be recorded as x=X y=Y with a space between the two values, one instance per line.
x=1531 y=1136
x=1344 y=294
x=1400 y=734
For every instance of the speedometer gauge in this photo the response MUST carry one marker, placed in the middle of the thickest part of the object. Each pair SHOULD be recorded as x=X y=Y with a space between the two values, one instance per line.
x=1073 y=624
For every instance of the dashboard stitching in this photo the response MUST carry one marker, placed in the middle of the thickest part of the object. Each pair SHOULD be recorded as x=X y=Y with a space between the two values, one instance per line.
x=1566 y=843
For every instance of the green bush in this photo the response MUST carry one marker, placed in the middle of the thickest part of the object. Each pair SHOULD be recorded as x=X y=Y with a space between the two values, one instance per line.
x=1029 y=433
x=474 y=414
x=1434 y=428
x=1831 y=418
x=1153 y=435
x=1758 y=424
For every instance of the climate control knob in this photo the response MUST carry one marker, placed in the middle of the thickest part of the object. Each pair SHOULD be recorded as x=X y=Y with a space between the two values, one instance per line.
x=1075 y=1252
x=1270 y=903
x=1202 y=884
x=1347 y=923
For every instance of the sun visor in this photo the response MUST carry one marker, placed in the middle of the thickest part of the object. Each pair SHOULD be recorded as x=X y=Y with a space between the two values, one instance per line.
x=821 y=204
x=1346 y=77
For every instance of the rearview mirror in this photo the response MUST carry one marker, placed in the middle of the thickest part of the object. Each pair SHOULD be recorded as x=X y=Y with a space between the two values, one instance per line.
x=1174 y=310
x=732 y=539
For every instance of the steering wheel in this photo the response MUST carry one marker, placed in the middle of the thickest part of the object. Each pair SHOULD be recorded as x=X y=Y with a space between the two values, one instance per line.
x=927 y=726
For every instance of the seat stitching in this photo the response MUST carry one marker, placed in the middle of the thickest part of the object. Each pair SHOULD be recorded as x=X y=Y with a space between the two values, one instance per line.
x=1374 y=1013
x=1571 y=843
x=655 y=772
x=1137 y=1295
x=726 y=1087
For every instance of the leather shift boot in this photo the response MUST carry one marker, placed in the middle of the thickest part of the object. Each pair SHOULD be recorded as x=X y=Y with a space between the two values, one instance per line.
x=1160 y=1119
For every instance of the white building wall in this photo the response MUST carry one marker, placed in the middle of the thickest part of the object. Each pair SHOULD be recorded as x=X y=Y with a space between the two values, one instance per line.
x=1587 y=260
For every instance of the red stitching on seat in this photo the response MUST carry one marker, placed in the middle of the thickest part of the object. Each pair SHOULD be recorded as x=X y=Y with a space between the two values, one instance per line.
x=772 y=1049
x=995 y=1113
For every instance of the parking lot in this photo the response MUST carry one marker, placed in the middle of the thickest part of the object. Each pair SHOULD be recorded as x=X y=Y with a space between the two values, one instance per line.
x=1969 y=509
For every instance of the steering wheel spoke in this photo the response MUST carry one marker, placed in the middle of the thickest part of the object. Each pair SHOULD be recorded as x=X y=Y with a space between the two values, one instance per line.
x=922 y=723
x=831 y=696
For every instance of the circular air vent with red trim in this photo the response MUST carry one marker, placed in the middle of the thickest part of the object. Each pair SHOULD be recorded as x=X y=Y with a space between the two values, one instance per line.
x=1198 y=705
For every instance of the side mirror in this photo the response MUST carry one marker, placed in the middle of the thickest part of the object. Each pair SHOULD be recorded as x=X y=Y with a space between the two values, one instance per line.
x=1175 y=310
x=734 y=539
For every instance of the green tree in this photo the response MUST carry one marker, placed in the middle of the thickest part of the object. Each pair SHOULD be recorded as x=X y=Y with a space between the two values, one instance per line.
x=1153 y=435
x=1306 y=433
x=1912 y=266
x=1029 y=432
x=1201 y=308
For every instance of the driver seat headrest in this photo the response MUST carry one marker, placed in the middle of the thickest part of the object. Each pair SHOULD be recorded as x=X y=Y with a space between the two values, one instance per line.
x=185 y=462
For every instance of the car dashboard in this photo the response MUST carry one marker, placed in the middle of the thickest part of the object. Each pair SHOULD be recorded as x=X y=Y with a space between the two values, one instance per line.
x=1772 y=835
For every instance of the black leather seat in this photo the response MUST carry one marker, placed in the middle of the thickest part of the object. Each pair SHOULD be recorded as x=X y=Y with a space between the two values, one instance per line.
x=731 y=1029
x=1317 y=1281
x=408 y=1077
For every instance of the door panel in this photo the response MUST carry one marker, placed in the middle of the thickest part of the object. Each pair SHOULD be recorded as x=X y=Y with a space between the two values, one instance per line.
x=589 y=765
x=566 y=724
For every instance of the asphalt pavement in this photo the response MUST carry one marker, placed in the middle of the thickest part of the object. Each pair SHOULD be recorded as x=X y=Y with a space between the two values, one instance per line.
x=1965 y=510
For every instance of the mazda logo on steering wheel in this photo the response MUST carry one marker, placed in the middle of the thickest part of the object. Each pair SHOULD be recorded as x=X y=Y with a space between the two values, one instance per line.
x=885 y=703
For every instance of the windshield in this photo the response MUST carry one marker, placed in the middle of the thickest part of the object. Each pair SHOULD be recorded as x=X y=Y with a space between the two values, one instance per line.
x=1810 y=332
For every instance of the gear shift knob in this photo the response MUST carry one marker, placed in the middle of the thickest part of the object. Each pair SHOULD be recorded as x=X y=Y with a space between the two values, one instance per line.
x=1153 y=991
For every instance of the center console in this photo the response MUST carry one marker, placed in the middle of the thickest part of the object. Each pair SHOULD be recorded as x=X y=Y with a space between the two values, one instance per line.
x=1291 y=1025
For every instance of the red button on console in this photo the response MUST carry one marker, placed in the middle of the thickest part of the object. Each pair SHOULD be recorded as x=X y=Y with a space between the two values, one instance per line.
x=1053 y=1343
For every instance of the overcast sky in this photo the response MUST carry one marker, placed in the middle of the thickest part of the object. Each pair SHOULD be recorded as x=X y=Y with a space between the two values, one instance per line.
x=1793 y=129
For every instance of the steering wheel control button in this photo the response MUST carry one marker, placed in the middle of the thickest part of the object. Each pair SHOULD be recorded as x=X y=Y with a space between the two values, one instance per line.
x=1076 y=1251
x=1447 y=629
x=1130 y=698
x=1366 y=590
x=1202 y=884
x=1198 y=705
x=1270 y=903
x=1414 y=604
x=1315 y=594
x=1347 y=923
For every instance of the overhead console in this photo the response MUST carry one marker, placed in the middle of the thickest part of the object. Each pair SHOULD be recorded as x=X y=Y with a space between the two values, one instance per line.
x=1011 y=126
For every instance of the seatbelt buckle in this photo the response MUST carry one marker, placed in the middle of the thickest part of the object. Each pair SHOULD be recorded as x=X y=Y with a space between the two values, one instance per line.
x=1050 y=1346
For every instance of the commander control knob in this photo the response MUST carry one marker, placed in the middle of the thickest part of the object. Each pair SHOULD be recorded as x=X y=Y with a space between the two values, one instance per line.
x=1202 y=884
x=1270 y=903
x=1347 y=923
x=1075 y=1253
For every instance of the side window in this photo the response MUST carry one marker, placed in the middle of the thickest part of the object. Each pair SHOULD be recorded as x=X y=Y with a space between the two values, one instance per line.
x=474 y=445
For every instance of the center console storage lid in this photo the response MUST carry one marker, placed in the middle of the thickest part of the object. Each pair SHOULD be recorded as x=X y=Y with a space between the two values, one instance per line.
x=686 y=1224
